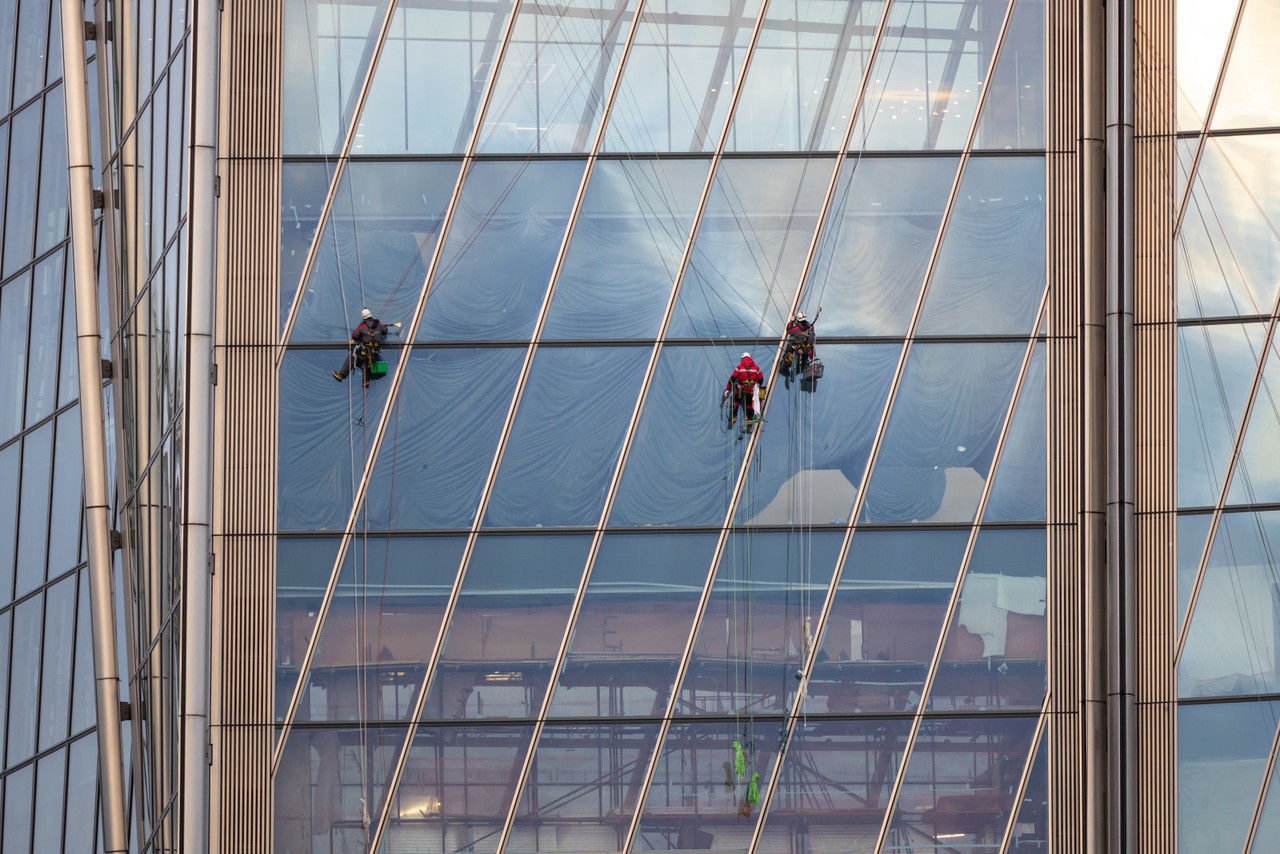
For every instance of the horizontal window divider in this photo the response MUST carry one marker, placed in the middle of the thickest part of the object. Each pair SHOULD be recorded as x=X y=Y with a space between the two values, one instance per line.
x=298 y=534
x=1211 y=321
x=1204 y=701
x=60 y=577
x=638 y=343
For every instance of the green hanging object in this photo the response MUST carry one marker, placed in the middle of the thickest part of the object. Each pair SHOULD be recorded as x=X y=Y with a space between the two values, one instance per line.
x=739 y=761
x=378 y=369
x=753 y=791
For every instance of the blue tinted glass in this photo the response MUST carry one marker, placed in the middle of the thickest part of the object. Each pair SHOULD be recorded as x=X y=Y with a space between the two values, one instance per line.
x=1256 y=478
x=831 y=787
x=5 y=621
x=10 y=458
x=303 y=567
x=46 y=311
x=8 y=17
x=635 y=619
x=885 y=620
x=24 y=662
x=83 y=709
x=507 y=627
x=497 y=258
x=303 y=186
x=457 y=788
x=1231 y=646
x=759 y=621
x=325 y=433
x=375 y=248
x=563 y=446
x=1020 y=492
x=696 y=778
x=29 y=64
x=441 y=438
x=990 y=271
x=813 y=449
x=1013 y=113
x=55 y=679
x=327 y=48
x=33 y=516
x=995 y=652
x=1030 y=831
x=1192 y=532
x=682 y=462
x=17 y=809
x=554 y=77
x=52 y=224
x=626 y=248
x=51 y=773
x=372 y=649
x=680 y=76
x=82 y=779
x=942 y=433
x=14 y=302
x=876 y=242
x=750 y=246
x=1222 y=756
x=68 y=370
x=447 y=50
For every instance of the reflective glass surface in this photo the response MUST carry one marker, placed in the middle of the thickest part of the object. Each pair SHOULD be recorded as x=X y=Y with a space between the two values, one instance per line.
x=1257 y=473
x=750 y=248
x=990 y=271
x=996 y=650
x=885 y=620
x=33 y=516
x=551 y=86
x=625 y=250
x=1222 y=755
x=1020 y=491
x=635 y=619
x=876 y=242
x=833 y=786
x=42 y=351
x=55 y=661
x=441 y=438
x=50 y=818
x=1241 y=104
x=1202 y=33
x=303 y=567
x=15 y=300
x=497 y=258
x=942 y=432
x=375 y=248
x=16 y=830
x=698 y=798
x=1030 y=832
x=1231 y=644
x=10 y=461
x=1013 y=114
x=1192 y=531
x=24 y=663
x=303 y=185
x=759 y=621
x=563 y=445
x=961 y=784
x=20 y=201
x=679 y=80
x=507 y=626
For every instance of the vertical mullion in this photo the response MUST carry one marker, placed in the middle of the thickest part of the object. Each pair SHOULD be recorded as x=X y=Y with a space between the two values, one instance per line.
x=392 y=392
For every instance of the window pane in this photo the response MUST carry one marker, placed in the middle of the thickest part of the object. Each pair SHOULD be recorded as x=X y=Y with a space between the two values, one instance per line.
x=14 y=302
x=20 y=210
x=626 y=248
x=1202 y=32
x=565 y=440
x=635 y=619
x=497 y=259
x=1256 y=479
x=303 y=186
x=10 y=458
x=507 y=626
x=29 y=66
x=750 y=247
x=1020 y=492
x=303 y=567
x=46 y=311
x=50 y=818
x=1013 y=115
x=82 y=785
x=84 y=713
x=52 y=225
x=33 y=518
x=1193 y=529
x=17 y=809
x=1240 y=104
x=55 y=680
x=24 y=661
x=942 y=433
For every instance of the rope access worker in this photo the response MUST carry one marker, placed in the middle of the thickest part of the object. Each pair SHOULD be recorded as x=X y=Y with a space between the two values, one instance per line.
x=743 y=385
x=365 y=347
x=800 y=341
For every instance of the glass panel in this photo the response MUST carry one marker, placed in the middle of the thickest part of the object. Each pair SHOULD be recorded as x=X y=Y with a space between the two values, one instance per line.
x=996 y=649
x=1030 y=833
x=375 y=643
x=583 y=788
x=562 y=449
x=812 y=454
x=760 y=615
x=82 y=783
x=50 y=818
x=1231 y=644
x=933 y=64
x=804 y=75
x=1202 y=33
x=330 y=785
x=885 y=620
x=42 y=353
x=302 y=190
x=441 y=438
x=5 y=620
x=303 y=567
x=698 y=800
x=28 y=76
x=832 y=788
x=16 y=829
x=750 y=247
x=1257 y=473
x=883 y=223
x=1192 y=531
x=497 y=258
x=559 y=64
x=1241 y=104
x=327 y=48
x=8 y=19
x=1013 y=115
x=626 y=248
x=1020 y=492
x=1215 y=371
x=682 y=463
x=507 y=626
x=52 y=224
x=376 y=247
x=83 y=709
x=990 y=271
x=10 y=459
x=448 y=51
x=1185 y=149
x=635 y=618
x=1222 y=755
x=15 y=299
x=24 y=661
x=680 y=75
x=33 y=518
x=942 y=433
x=55 y=680
x=1228 y=250
x=325 y=433
x=456 y=789
x=960 y=785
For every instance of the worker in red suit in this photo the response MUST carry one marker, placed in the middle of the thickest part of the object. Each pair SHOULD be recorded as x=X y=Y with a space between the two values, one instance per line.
x=743 y=387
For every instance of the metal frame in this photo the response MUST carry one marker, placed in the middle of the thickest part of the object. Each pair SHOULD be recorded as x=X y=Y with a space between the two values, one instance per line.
x=1021 y=792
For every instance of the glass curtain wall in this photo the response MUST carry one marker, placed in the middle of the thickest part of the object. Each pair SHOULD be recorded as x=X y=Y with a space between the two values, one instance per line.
x=532 y=595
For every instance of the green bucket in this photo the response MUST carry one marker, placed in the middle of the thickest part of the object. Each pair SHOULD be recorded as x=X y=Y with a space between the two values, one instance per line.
x=378 y=369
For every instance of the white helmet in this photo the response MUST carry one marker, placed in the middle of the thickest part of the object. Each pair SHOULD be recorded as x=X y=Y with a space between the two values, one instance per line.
x=801 y=316
x=746 y=355
x=365 y=313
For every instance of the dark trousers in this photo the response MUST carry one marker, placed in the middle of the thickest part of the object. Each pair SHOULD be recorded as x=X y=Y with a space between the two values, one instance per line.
x=743 y=398
x=359 y=356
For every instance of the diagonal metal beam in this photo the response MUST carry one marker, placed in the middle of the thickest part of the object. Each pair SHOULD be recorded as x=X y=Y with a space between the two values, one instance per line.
x=1015 y=810
x=942 y=97
x=1262 y=792
x=821 y=116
